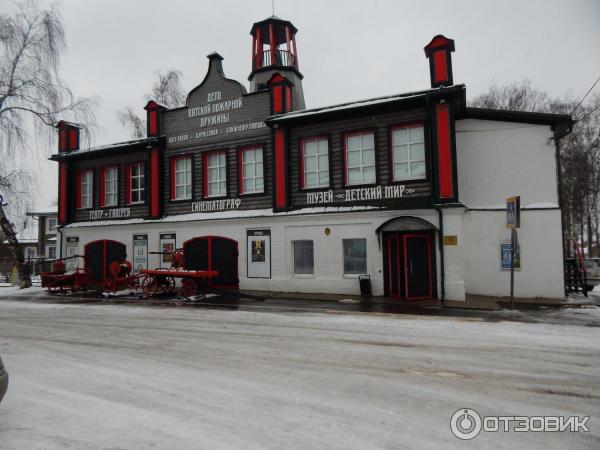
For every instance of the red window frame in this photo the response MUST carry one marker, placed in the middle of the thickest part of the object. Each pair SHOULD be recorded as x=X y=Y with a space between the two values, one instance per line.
x=172 y=174
x=240 y=171
x=129 y=186
x=102 y=186
x=320 y=137
x=392 y=175
x=205 y=156
x=79 y=192
x=345 y=137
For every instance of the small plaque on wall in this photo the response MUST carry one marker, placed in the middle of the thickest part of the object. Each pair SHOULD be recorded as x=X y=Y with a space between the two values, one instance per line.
x=450 y=240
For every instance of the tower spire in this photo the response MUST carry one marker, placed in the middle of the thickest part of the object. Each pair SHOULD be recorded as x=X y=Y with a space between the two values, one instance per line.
x=274 y=52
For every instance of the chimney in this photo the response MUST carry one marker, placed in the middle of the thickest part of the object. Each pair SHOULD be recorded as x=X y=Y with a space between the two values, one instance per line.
x=440 y=62
x=68 y=136
x=153 y=110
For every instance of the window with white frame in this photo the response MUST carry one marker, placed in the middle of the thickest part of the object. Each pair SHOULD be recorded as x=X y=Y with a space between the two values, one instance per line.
x=304 y=257
x=86 y=189
x=355 y=256
x=360 y=158
x=216 y=176
x=30 y=253
x=111 y=186
x=138 y=183
x=253 y=180
x=50 y=225
x=50 y=252
x=315 y=163
x=408 y=147
x=183 y=178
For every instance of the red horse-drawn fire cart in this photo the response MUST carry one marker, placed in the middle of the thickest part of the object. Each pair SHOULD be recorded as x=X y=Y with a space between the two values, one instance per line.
x=61 y=281
x=158 y=281
x=154 y=282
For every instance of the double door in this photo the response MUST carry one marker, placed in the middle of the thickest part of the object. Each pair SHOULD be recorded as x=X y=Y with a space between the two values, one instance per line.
x=409 y=265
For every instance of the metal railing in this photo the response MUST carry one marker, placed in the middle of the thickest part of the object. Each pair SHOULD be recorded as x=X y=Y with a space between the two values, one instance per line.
x=282 y=58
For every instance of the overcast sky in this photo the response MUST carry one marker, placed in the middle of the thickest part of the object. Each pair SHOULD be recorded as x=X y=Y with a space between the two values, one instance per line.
x=347 y=50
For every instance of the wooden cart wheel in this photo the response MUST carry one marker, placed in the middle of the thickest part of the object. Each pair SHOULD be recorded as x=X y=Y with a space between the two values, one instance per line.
x=134 y=283
x=168 y=285
x=150 y=285
x=189 y=287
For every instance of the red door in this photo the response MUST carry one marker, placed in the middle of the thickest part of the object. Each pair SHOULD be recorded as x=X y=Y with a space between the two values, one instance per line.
x=408 y=262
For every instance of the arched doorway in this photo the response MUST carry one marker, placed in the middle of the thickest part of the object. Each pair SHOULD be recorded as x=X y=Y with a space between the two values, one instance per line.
x=408 y=250
x=214 y=253
x=98 y=256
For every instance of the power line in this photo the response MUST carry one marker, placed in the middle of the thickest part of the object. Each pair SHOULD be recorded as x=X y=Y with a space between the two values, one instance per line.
x=589 y=113
x=586 y=94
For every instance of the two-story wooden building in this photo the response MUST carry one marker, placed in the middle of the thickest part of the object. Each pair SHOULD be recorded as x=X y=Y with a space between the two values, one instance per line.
x=407 y=188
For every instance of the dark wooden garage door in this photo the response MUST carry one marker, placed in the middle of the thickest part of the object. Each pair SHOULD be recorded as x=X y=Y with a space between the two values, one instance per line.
x=214 y=253
x=99 y=255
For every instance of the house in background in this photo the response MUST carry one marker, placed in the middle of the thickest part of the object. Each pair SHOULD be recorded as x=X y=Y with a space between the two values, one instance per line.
x=37 y=237
x=44 y=232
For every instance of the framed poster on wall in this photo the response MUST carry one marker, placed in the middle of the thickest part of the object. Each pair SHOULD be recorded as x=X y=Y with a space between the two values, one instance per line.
x=140 y=252
x=73 y=250
x=168 y=245
x=258 y=246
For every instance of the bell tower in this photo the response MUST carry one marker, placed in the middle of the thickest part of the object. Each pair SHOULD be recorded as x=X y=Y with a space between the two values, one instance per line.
x=274 y=51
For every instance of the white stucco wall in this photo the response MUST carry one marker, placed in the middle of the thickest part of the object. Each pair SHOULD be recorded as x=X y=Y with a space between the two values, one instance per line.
x=328 y=252
x=496 y=160
x=540 y=242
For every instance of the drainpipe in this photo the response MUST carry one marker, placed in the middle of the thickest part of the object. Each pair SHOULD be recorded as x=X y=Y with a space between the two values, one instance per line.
x=441 y=246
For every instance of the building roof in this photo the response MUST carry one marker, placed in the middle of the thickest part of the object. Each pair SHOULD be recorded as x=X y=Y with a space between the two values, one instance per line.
x=46 y=211
x=104 y=148
x=359 y=104
x=558 y=122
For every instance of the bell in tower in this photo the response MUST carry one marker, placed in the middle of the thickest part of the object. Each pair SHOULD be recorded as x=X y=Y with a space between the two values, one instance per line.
x=274 y=51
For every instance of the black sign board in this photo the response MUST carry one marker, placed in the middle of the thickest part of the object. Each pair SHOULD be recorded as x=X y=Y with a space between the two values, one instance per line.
x=259 y=232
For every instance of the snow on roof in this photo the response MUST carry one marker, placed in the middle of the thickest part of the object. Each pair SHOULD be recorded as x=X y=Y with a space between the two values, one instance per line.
x=223 y=215
x=105 y=147
x=45 y=211
x=356 y=104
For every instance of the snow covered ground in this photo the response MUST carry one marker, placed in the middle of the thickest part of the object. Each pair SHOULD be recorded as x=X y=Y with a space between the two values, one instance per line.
x=122 y=377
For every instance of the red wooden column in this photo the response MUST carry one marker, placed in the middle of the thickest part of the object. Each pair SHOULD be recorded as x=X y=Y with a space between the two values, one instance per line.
x=280 y=103
x=153 y=118
x=259 y=49
x=155 y=182
x=68 y=141
x=272 y=43
x=445 y=182
x=63 y=193
x=281 y=197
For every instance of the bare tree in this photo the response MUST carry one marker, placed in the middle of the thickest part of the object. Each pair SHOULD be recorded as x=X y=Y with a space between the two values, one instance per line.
x=515 y=97
x=32 y=42
x=166 y=91
x=131 y=120
x=579 y=156
x=33 y=97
